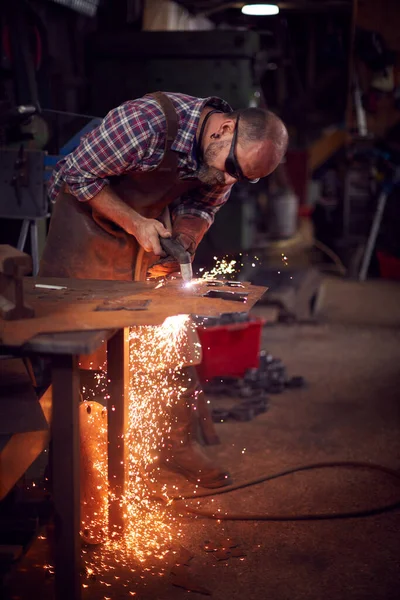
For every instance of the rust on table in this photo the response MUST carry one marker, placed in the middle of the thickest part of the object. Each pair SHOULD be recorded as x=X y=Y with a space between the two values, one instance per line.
x=75 y=305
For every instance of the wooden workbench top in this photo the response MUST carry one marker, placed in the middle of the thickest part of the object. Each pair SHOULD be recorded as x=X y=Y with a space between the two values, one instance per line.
x=77 y=305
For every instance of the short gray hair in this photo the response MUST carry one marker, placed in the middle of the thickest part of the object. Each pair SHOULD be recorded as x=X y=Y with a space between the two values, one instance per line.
x=259 y=124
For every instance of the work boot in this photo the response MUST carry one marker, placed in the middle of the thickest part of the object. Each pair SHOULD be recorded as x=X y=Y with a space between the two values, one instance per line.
x=182 y=452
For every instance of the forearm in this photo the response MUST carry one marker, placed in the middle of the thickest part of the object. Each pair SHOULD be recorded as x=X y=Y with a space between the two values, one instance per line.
x=108 y=204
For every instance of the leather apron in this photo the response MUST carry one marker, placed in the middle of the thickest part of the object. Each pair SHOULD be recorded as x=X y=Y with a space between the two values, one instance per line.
x=82 y=244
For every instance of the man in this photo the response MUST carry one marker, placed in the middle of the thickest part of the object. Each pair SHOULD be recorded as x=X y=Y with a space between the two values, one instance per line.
x=158 y=166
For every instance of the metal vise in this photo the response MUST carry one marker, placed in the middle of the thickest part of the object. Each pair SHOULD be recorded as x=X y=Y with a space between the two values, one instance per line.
x=13 y=266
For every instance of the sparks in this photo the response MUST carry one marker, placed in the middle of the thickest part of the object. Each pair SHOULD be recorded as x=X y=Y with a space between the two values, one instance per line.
x=156 y=355
x=222 y=267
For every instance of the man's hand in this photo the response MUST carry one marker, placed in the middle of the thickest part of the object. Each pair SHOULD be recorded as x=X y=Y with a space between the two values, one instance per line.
x=163 y=268
x=148 y=233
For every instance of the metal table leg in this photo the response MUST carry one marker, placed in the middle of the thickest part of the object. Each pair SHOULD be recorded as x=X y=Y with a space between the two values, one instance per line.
x=23 y=235
x=373 y=234
x=34 y=247
x=117 y=411
x=66 y=474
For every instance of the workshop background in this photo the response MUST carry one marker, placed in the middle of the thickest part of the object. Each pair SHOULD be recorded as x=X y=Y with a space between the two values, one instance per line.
x=320 y=379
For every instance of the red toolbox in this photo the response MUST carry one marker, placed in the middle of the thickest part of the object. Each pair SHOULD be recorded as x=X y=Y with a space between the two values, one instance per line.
x=229 y=350
x=389 y=266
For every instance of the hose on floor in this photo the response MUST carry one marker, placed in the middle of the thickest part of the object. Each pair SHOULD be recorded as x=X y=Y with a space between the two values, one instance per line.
x=332 y=255
x=294 y=517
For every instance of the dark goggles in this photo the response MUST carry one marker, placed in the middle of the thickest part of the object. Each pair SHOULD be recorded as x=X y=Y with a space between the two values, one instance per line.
x=231 y=164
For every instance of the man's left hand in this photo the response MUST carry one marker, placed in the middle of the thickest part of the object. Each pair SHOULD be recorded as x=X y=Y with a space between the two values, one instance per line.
x=163 y=268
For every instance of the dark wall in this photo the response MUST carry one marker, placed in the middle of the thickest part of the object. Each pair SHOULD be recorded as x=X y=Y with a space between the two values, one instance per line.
x=127 y=64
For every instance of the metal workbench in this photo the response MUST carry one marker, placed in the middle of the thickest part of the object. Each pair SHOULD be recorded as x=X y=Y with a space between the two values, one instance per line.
x=75 y=305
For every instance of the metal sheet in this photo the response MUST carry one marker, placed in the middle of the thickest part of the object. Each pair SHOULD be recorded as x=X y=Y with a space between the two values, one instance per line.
x=73 y=307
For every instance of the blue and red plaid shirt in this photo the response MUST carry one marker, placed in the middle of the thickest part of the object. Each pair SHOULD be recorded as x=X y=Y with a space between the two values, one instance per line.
x=131 y=138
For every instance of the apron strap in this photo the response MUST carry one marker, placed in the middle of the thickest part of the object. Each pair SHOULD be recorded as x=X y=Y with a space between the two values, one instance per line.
x=169 y=162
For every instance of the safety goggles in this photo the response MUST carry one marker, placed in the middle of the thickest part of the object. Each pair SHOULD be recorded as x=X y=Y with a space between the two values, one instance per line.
x=231 y=164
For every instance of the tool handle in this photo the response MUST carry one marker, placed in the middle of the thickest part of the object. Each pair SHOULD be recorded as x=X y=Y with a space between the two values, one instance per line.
x=174 y=249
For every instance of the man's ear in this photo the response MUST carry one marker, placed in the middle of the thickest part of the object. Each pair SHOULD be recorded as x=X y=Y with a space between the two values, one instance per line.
x=227 y=127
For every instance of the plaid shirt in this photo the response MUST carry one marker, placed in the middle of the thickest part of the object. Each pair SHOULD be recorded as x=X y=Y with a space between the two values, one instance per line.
x=131 y=138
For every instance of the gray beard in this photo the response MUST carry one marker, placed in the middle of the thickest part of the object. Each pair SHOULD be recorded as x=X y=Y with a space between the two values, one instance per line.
x=210 y=175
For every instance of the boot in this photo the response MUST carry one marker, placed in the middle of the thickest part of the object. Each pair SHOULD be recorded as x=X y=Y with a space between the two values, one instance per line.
x=182 y=452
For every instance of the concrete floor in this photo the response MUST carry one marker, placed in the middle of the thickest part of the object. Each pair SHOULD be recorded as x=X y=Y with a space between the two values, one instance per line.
x=350 y=410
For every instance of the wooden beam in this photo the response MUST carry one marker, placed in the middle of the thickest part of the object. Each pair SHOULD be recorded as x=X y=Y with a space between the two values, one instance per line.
x=66 y=483
x=117 y=413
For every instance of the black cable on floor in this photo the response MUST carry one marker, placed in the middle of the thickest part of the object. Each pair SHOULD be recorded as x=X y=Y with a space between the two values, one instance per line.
x=295 y=517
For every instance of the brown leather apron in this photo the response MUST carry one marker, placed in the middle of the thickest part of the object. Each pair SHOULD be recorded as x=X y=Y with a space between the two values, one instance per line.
x=81 y=244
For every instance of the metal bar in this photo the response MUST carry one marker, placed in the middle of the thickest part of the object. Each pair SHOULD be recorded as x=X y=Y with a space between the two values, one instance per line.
x=346 y=208
x=34 y=247
x=361 y=115
x=373 y=235
x=117 y=411
x=23 y=235
x=65 y=434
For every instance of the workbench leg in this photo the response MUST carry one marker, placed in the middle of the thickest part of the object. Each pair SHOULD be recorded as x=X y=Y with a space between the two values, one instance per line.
x=65 y=435
x=117 y=411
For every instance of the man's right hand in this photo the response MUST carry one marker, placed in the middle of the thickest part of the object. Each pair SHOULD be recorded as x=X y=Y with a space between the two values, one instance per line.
x=148 y=233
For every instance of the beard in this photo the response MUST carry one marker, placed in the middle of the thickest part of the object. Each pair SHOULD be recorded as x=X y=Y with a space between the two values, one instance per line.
x=208 y=174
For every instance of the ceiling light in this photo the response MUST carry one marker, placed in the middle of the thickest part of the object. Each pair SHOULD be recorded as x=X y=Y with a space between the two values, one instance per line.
x=260 y=9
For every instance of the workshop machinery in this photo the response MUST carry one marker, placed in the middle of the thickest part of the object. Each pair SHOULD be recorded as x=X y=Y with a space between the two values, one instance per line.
x=24 y=174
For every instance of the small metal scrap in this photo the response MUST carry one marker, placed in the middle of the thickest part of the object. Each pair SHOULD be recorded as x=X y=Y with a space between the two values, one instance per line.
x=122 y=304
x=44 y=286
x=214 y=284
x=224 y=550
x=235 y=296
x=234 y=284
